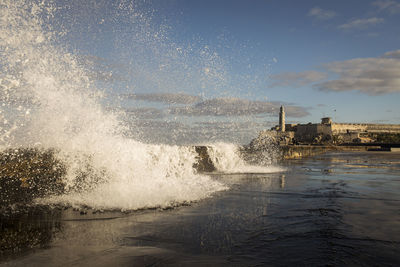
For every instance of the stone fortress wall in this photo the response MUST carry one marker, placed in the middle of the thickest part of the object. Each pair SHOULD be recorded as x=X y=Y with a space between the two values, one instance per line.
x=306 y=132
x=330 y=132
x=365 y=127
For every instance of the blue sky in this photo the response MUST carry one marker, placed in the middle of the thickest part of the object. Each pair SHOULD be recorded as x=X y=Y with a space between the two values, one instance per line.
x=303 y=36
x=243 y=59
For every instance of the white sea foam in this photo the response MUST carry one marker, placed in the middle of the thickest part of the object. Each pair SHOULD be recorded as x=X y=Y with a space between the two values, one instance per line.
x=226 y=158
x=49 y=102
x=54 y=105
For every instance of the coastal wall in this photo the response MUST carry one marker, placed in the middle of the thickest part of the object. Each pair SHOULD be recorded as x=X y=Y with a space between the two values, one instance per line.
x=365 y=127
x=347 y=131
x=307 y=132
x=297 y=152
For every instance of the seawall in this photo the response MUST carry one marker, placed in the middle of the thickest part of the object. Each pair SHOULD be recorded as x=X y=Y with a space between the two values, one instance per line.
x=301 y=151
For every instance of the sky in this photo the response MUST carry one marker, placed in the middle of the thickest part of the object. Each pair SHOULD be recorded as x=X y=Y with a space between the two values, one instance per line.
x=204 y=69
x=321 y=55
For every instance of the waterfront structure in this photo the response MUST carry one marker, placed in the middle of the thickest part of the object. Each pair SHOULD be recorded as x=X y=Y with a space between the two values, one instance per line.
x=331 y=132
x=282 y=119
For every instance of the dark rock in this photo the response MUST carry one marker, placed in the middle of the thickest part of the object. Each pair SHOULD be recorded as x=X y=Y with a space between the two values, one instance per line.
x=29 y=173
x=204 y=162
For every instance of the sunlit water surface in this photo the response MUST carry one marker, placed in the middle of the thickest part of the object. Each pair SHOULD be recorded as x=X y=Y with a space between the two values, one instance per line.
x=334 y=209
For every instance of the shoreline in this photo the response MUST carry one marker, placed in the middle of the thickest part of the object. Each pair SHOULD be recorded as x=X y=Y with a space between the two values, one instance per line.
x=301 y=151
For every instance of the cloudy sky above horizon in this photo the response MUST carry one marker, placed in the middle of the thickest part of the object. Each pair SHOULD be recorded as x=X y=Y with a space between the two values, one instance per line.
x=237 y=61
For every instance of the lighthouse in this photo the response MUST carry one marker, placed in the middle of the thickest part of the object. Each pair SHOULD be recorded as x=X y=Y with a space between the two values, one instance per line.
x=282 y=119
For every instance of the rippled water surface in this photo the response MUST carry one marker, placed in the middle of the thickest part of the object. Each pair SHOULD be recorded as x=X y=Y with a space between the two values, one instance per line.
x=335 y=209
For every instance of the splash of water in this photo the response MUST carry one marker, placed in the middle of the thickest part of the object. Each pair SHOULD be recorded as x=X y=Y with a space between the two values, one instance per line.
x=49 y=101
x=52 y=103
x=226 y=158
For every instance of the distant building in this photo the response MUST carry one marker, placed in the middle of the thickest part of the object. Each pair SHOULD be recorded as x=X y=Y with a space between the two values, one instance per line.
x=282 y=119
x=326 y=120
x=330 y=132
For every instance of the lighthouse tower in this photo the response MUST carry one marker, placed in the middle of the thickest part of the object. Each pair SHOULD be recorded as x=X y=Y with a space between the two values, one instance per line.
x=282 y=119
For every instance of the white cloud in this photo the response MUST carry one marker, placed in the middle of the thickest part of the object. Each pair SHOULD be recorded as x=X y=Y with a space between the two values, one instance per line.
x=373 y=76
x=229 y=106
x=196 y=106
x=321 y=14
x=202 y=132
x=390 y=6
x=169 y=98
x=361 y=23
x=297 y=78
x=392 y=54
x=372 y=34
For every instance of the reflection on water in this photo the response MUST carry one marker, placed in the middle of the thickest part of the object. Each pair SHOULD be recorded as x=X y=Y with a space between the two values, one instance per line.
x=321 y=211
x=27 y=228
x=282 y=180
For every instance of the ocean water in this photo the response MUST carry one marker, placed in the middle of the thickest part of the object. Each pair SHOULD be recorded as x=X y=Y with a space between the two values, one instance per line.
x=129 y=202
x=337 y=209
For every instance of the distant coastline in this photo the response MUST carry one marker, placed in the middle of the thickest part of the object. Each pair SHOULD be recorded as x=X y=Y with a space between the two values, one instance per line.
x=299 y=140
